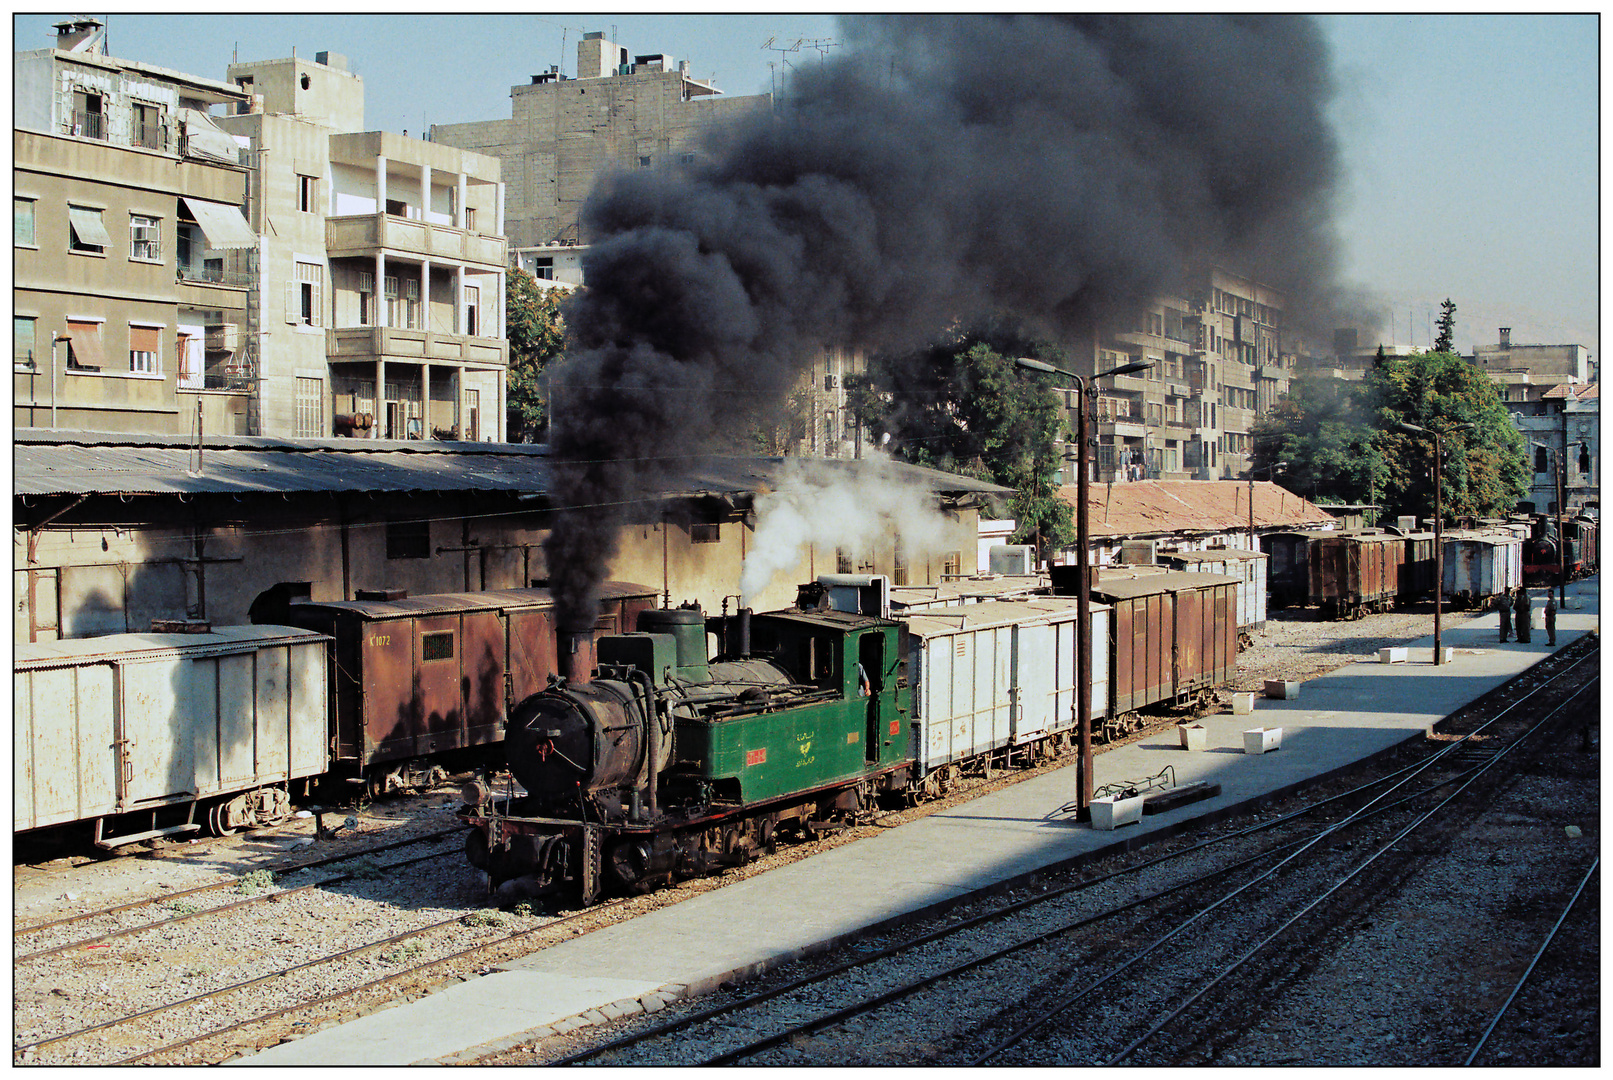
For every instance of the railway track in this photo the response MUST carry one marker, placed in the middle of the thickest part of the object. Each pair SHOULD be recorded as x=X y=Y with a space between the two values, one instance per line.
x=246 y=884
x=794 y=1017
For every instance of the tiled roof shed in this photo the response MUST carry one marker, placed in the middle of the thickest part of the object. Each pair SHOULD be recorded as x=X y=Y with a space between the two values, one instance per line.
x=1170 y=507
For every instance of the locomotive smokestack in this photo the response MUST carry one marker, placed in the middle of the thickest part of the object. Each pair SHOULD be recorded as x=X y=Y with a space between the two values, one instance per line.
x=744 y=631
x=578 y=656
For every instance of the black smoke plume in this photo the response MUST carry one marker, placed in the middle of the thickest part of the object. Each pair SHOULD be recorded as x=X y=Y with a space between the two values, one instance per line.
x=1057 y=170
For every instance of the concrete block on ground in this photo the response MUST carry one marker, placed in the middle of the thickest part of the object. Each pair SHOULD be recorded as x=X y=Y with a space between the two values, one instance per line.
x=1448 y=654
x=1243 y=704
x=1262 y=740
x=1392 y=656
x=1112 y=811
x=1282 y=689
x=1193 y=736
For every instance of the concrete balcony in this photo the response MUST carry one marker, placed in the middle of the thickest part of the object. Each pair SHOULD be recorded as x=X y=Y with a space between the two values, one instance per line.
x=357 y=343
x=365 y=234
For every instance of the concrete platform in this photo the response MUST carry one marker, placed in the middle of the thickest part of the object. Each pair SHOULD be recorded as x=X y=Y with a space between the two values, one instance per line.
x=1338 y=719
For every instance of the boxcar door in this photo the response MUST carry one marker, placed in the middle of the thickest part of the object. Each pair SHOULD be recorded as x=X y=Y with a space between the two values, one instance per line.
x=439 y=705
x=1036 y=675
x=1187 y=672
x=481 y=676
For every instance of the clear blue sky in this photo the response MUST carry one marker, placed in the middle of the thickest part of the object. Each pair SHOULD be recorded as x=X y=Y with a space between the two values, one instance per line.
x=1470 y=141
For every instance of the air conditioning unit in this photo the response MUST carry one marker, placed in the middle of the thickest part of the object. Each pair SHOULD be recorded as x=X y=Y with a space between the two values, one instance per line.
x=831 y=382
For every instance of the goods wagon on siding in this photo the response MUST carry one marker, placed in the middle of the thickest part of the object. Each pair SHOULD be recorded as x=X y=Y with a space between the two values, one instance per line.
x=423 y=684
x=1480 y=565
x=141 y=731
x=1417 y=573
x=1249 y=567
x=1288 y=574
x=993 y=676
x=1173 y=638
x=1355 y=573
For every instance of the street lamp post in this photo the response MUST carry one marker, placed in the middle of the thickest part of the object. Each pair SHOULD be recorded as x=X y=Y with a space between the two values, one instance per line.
x=1439 y=541
x=1271 y=473
x=1562 y=543
x=1083 y=574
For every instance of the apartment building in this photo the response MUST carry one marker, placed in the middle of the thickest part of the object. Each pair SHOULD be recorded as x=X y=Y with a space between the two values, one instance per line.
x=1218 y=365
x=381 y=311
x=1527 y=372
x=133 y=263
x=619 y=112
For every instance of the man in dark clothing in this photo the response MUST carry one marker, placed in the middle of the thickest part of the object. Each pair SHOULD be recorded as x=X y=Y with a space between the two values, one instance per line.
x=1503 y=604
x=1521 y=610
x=1551 y=618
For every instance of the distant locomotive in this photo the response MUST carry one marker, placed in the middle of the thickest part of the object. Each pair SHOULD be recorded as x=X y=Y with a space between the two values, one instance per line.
x=1541 y=564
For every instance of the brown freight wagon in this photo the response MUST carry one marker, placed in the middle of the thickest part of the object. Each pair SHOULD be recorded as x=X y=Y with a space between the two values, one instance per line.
x=421 y=685
x=1355 y=573
x=1173 y=637
x=1417 y=577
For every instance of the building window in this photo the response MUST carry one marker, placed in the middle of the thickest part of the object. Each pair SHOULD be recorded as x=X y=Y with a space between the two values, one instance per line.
x=1541 y=464
x=705 y=534
x=89 y=121
x=470 y=219
x=304 y=297
x=644 y=162
x=310 y=408
x=688 y=159
x=473 y=305
x=84 y=346
x=408 y=539
x=543 y=269
x=473 y=416
x=87 y=235
x=307 y=193
x=145 y=238
x=22 y=217
x=366 y=298
x=843 y=563
x=145 y=349
x=22 y=342
x=147 y=127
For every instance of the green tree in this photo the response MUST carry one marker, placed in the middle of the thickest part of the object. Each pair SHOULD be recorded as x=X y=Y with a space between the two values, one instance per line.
x=1319 y=435
x=1446 y=341
x=963 y=406
x=537 y=335
x=1484 y=469
x=1343 y=441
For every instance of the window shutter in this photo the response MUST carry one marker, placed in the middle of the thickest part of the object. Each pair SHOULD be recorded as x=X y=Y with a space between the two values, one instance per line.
x=411 y=289
x=145 y=339
x=366 y=282
x=391 y=288
x=293 y=303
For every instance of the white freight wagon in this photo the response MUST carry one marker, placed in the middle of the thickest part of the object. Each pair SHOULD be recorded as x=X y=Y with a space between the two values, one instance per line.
x=996 y=674
x=1479 y=565
x=135 y=727
x=1249 y=567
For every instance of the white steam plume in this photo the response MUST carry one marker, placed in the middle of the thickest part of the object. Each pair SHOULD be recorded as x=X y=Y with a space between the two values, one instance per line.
x=857 y=507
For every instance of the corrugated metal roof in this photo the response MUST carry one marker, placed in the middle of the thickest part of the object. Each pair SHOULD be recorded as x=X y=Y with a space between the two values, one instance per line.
x=48 y=654
x=937 y=622
x=75 y=463
x=1165 y=507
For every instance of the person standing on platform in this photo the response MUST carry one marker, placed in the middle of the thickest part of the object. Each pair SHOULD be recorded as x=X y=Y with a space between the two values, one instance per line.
x=1521 y=610
x=1551 y=618
x=1503 y=604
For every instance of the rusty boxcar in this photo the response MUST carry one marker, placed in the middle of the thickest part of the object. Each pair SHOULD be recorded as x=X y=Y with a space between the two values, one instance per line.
x=1288 y=576
x=1355 y=573
x=1173 y=637
x=422 y=684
